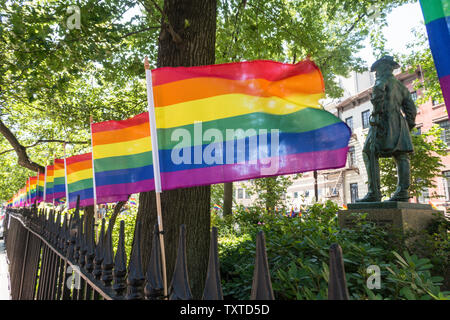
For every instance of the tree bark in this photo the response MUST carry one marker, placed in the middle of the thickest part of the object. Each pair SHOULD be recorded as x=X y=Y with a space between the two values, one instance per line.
x=195 y=23
x=227 y=198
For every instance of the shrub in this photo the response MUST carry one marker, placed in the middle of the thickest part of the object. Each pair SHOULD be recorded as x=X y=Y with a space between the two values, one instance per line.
x=298 y=256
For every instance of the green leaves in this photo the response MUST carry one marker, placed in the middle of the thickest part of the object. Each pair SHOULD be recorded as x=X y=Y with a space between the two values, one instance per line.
x=426 y=163
x=298 y=256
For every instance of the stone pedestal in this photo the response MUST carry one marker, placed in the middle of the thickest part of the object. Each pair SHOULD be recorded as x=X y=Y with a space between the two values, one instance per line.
x=392 y=215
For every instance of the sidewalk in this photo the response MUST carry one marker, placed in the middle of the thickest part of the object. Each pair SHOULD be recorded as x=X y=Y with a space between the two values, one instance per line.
x=4 y=278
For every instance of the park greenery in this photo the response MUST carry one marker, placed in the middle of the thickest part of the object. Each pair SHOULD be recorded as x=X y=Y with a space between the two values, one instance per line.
x=413 y=266
x=298 y=255
x=426 y=163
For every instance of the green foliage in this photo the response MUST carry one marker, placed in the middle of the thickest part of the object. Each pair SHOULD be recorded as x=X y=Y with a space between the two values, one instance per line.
x=298 y=256
x=420 y=56
x=426 y=163
x=270 y=191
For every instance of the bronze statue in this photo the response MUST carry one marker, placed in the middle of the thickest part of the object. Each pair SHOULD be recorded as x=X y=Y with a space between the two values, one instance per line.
x=392 y=119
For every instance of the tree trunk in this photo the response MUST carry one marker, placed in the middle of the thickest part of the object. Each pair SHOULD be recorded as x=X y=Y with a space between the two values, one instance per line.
x=227 y=198
x=187 y=38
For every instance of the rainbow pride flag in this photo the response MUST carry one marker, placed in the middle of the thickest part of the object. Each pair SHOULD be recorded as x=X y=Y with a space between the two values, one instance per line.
x=436 y=14
x=59 y=180
x=122 y=155
x=80 y=180
x=49 y=177
x=239 y=121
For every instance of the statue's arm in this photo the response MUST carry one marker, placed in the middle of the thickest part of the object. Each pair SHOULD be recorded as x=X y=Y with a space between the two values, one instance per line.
x=378 y=95
x=410 y=109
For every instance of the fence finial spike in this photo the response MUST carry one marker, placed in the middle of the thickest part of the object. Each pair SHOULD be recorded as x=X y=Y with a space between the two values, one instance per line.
x=120 y=263
x=98 y=259
x=213 y=288
x=136 y=278
x=108 y=262
x=155 y=286
x=179 y=288
x=262 y=285
x=337 y=285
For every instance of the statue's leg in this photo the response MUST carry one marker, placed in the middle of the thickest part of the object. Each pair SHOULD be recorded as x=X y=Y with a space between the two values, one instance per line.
x=403 y=178
x=373 y=177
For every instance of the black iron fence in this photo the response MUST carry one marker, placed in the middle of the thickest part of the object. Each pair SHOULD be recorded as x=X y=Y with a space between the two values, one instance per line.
x=56 y=257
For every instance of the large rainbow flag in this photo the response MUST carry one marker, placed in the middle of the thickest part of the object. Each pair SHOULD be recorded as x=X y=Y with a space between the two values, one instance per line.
x=59 y=180
x=239 y=121
x=122 y=158
x=49 y=177
x=436 y=14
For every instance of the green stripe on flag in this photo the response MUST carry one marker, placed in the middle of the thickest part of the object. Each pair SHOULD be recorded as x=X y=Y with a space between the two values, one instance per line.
x=435 y=9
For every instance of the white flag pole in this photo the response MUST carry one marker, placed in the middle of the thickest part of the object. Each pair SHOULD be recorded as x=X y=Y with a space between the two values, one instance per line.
x=93 y=178
x=37 y=187
x=156 y=169
x=45 y=183
x=65 y=177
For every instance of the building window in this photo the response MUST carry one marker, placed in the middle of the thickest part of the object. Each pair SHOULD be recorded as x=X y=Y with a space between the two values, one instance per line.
x=295 y=195
x=365 y=119
x=414 y=96
x=447 y=184
x=353 y=192
x=349 y=122
x=247 y=194
x=425 y=196
x=435 y=102
x=351 y=157
x=240 y=193
x=445 y=134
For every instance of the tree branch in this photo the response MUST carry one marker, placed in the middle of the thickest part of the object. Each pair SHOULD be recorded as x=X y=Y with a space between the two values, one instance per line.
x=46 y=141
x=23 y=159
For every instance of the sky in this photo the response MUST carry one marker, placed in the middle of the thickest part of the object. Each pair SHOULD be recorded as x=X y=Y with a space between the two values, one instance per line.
x=398 y=32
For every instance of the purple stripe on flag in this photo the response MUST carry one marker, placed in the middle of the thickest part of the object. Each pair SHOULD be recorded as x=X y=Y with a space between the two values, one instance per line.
x=119 y=191
x=83 y=203
x=445 y=86
x=294 y=163
x=59 y=195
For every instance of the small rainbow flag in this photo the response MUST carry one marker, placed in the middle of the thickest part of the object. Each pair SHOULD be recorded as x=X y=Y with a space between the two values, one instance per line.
x=49 y=177
x=80 y=180
x=122 y=157
x=59 y=180
x=244 y=120
x=433 y=205
x=133 y=201
x=436 y=14
x=217 y=207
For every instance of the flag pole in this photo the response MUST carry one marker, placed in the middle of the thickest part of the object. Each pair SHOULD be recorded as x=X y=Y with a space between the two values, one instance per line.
x=156 y=169
x=65 y=177
x=91 y=120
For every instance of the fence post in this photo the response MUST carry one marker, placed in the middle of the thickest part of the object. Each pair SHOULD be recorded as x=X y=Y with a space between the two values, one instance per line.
x=136 y=278
x=179 y=287
x=213 y=287
x=154 y=287
x=120 y=263
x=262 y=285
x=337 y=285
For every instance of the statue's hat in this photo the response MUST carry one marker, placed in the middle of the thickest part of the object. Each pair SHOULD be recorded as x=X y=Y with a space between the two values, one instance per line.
x=386 y=60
